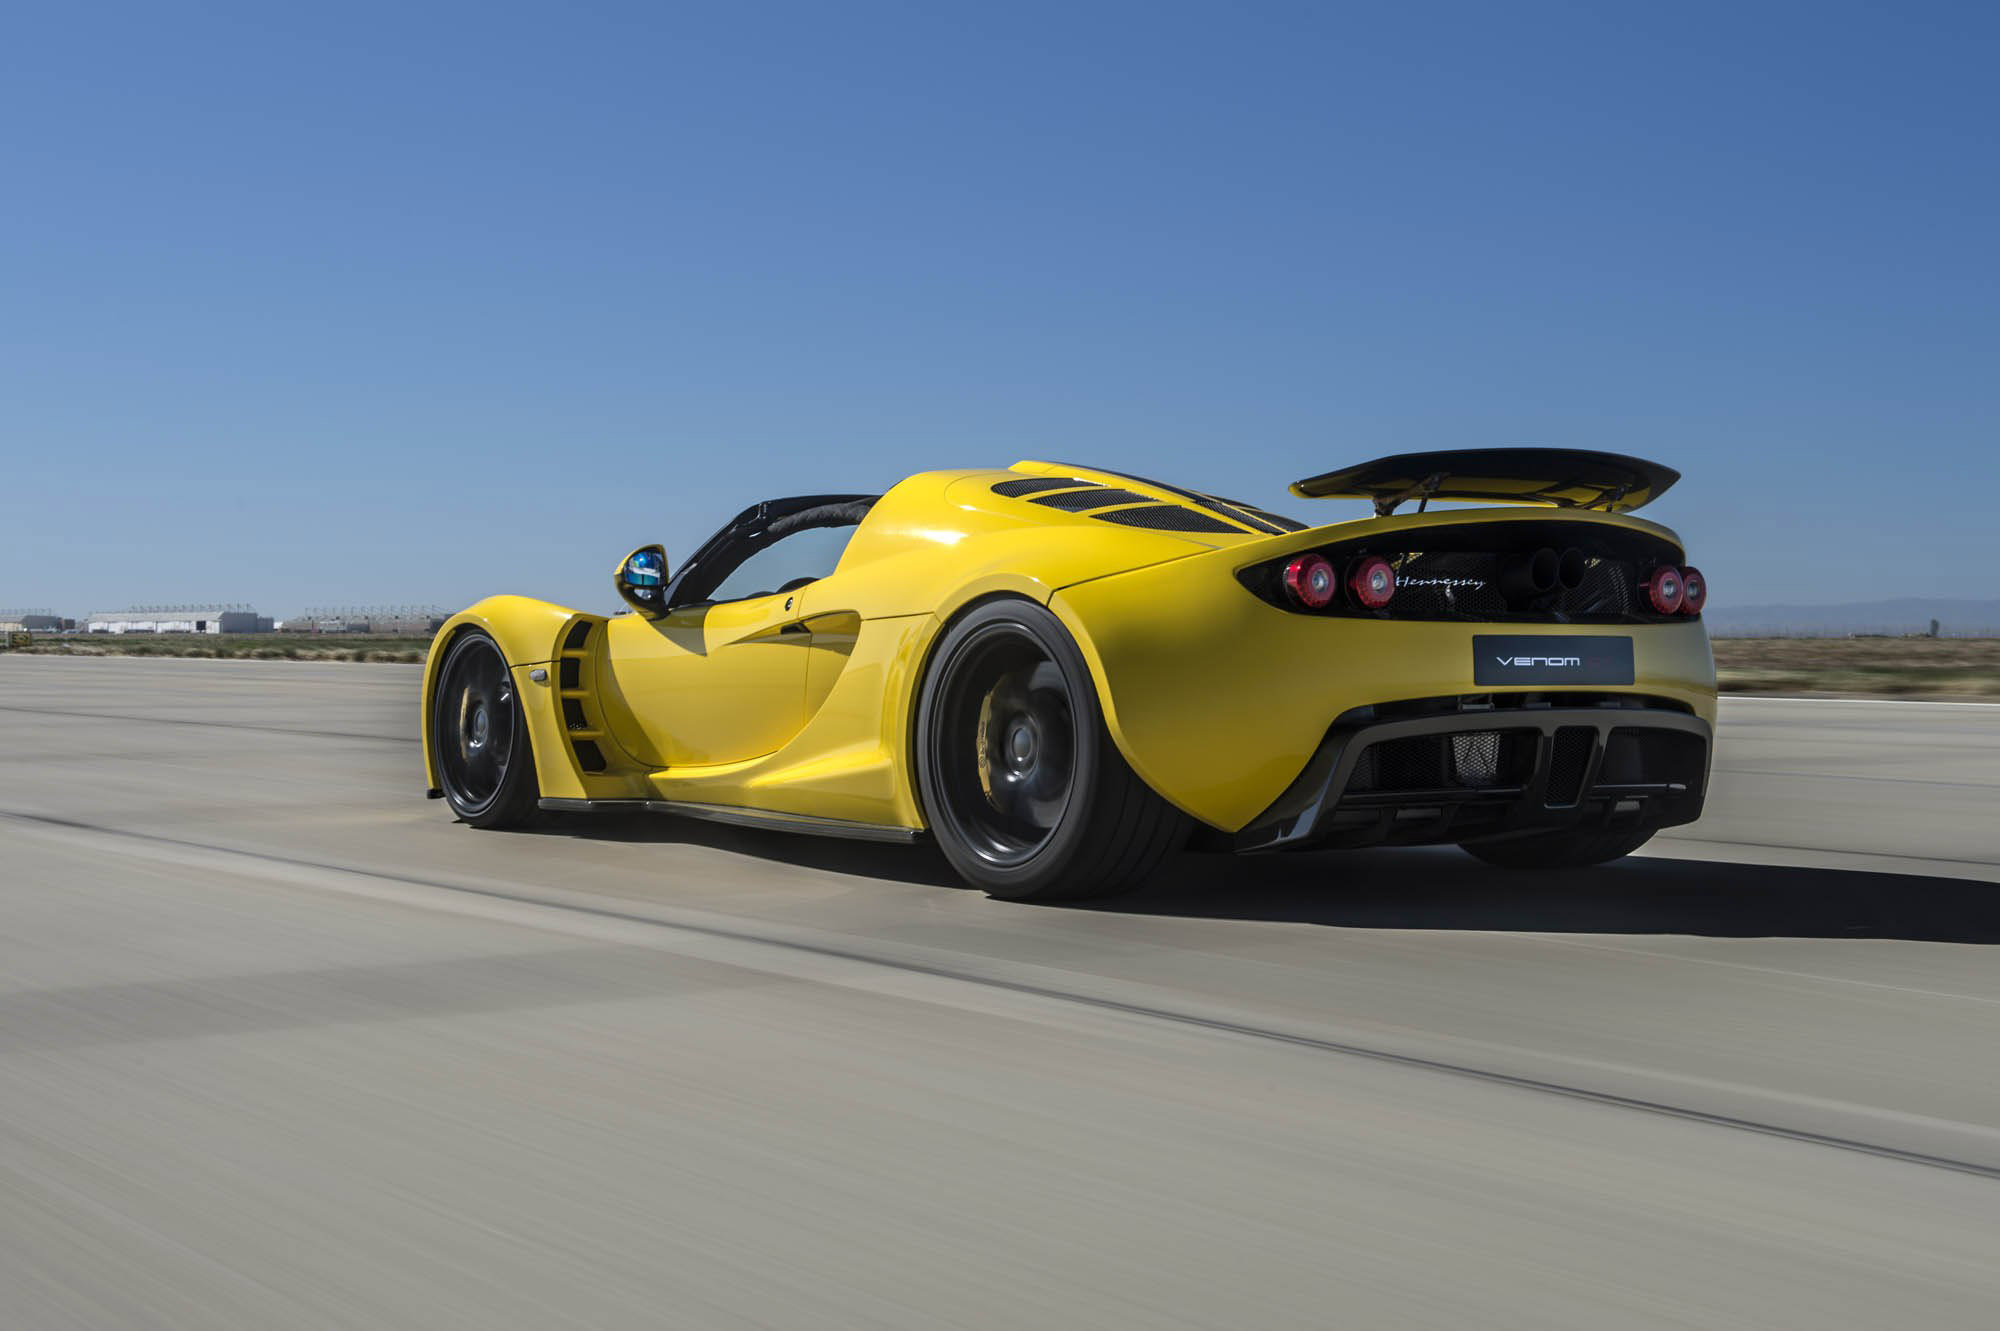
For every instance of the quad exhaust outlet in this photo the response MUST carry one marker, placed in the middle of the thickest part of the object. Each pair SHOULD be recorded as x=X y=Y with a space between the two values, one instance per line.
x=1529 y=577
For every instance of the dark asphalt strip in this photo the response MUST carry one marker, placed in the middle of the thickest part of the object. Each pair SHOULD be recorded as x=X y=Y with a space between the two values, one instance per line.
x=1692 y=840
x=1859 y=776
x=1186 y=1019
x=213 y=725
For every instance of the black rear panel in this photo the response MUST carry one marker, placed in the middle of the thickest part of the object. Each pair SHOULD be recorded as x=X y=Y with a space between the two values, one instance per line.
x=1471 y=573
x=1449 y=584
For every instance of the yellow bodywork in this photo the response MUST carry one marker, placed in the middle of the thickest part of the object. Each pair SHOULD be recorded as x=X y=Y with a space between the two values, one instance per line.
x=802 y=703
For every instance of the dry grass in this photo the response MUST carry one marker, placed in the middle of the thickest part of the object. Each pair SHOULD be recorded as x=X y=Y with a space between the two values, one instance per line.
x=1858 y=667
x=1861 y=667
x=237 y=646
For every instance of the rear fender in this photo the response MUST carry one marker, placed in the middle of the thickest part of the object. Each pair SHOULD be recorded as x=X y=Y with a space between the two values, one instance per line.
x=1218 y=700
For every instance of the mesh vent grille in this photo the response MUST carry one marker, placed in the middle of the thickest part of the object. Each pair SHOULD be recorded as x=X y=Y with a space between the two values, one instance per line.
x=1569 y=756
x=1475 y=758
x=1073 y=501
x=1167 y=517
x=1036 y=484
x=1416 y=763
x=1652 y=756
x=1610 y=587
x=1471 y=760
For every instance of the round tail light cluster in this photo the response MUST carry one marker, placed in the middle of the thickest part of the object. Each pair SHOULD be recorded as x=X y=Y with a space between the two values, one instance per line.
x=1675 y=591
x=1663 y=589
x=1372 y=581
x=1694 y=591
x=1311 y=583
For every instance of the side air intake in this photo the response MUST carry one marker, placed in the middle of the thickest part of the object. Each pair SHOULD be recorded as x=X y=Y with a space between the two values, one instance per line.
x=576 y=696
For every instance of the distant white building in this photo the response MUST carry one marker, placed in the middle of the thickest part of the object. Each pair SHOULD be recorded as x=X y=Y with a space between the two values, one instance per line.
x=179 y=619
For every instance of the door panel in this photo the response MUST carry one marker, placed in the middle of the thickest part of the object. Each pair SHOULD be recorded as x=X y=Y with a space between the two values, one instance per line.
x=710 y=683
x=833 y=637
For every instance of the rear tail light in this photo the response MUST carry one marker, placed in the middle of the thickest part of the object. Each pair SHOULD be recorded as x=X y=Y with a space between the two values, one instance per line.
x=1694 y=591
x=1372 y=581
x=1309 y=581
x=1664 y=589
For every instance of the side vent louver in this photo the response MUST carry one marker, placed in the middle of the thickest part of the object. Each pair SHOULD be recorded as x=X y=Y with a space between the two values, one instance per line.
x=573 y=690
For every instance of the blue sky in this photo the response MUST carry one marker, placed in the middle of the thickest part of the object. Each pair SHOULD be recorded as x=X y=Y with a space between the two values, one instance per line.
x=337 y=303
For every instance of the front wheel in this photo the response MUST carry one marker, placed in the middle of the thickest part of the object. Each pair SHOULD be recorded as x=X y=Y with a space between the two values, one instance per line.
x=1027 y=796
x=1558 y=850
x=479 y=738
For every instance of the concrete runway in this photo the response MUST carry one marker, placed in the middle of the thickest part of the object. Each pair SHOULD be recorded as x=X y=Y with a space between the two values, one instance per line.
x=281 y=1045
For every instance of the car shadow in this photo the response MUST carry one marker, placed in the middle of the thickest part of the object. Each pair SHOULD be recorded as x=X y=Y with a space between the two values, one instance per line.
x=1444 y=888
x=921 y=864
x=1437 y=888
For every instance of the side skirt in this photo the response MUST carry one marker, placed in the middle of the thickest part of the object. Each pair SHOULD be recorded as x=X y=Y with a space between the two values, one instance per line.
x=769 y=819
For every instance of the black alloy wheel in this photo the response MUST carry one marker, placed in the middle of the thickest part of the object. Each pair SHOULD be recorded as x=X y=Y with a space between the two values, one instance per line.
x=1027 y=795
x=479 y=739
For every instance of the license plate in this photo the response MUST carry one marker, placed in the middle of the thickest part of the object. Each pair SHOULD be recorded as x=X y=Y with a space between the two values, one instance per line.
x=1523 y=658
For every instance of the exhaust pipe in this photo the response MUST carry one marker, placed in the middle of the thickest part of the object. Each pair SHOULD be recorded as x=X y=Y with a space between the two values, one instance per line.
x=1570 y=571
x=1529 y=577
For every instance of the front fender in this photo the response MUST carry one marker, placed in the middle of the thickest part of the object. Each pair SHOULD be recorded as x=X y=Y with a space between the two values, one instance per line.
x=529 y=633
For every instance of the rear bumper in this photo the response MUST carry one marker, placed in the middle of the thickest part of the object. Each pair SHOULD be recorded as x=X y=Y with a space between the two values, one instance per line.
x=1219 y=700
x=1452 y=770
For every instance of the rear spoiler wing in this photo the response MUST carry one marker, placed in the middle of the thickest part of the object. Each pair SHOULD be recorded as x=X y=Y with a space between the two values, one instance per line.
x=1559 y=477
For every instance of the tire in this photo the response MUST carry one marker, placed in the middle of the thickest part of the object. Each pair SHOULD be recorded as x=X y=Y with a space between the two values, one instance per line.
x=1023 y=788
x=479 y=738
x=1558 y=850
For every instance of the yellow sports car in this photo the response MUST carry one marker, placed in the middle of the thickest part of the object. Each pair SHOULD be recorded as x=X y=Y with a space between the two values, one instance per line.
x=1061 y=673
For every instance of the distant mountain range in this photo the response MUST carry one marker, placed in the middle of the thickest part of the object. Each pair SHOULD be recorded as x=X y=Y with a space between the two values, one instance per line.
x=1909 y=614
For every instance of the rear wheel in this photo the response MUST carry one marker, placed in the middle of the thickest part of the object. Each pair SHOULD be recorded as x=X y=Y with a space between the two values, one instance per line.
x=479 y=739
x=1558 y=850
x=1022 y=786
